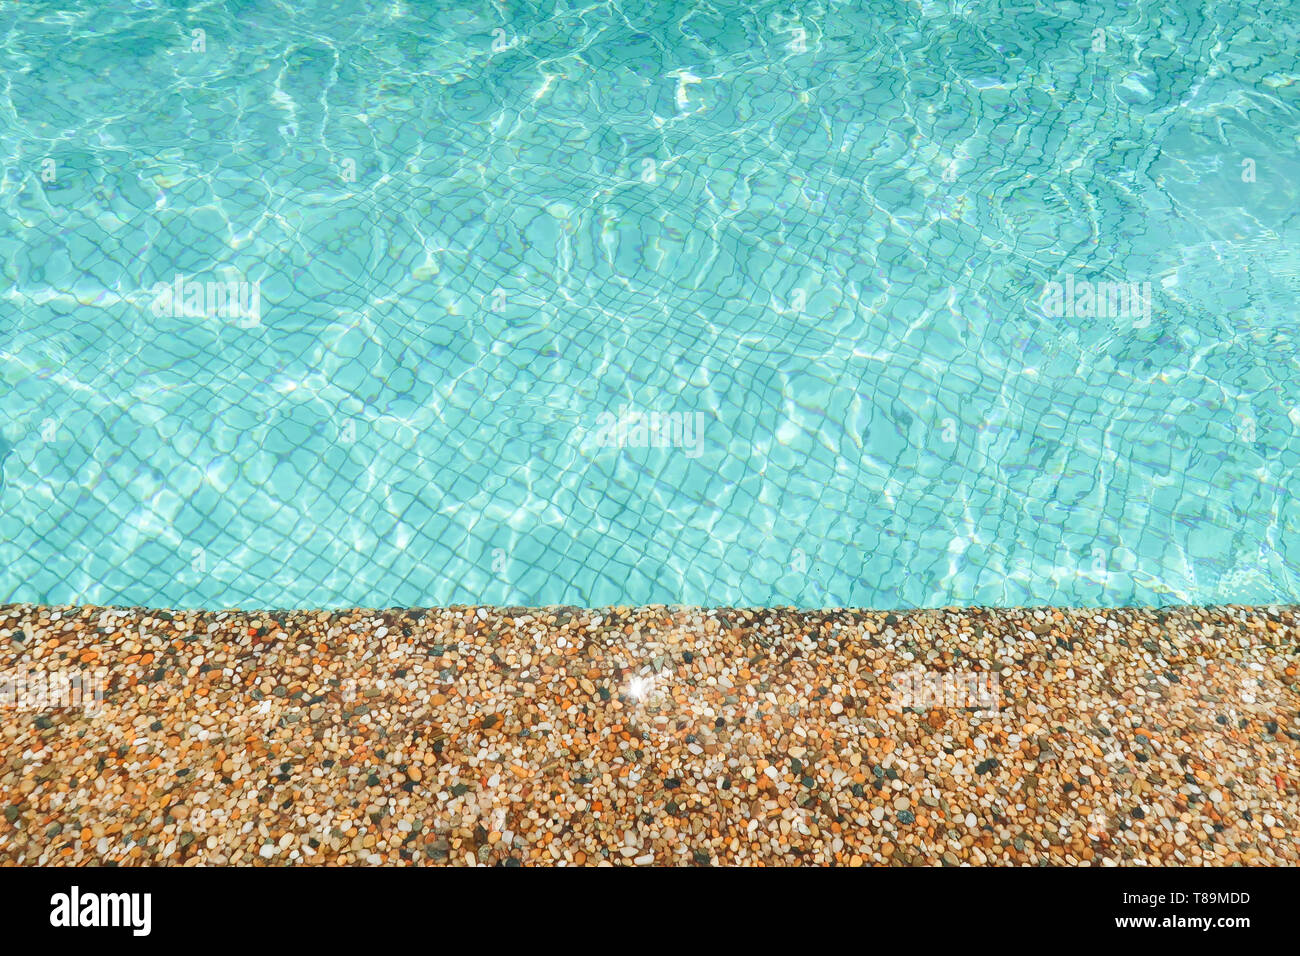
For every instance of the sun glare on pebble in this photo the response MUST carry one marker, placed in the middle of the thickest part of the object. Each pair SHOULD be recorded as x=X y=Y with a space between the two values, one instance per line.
x=639 y=687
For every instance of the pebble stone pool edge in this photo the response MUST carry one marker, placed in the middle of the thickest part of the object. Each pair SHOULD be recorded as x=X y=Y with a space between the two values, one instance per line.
x=654 y=735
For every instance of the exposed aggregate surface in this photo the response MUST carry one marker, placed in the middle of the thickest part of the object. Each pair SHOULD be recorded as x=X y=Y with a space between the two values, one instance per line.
x=652 y=736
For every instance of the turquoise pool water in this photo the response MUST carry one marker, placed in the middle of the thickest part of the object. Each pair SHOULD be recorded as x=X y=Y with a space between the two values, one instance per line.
x=591 y=303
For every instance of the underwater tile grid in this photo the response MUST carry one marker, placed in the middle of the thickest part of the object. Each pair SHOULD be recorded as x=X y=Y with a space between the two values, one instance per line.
x=815 y=304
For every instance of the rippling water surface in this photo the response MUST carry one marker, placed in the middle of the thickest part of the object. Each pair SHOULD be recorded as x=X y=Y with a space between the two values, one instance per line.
x=477 y=233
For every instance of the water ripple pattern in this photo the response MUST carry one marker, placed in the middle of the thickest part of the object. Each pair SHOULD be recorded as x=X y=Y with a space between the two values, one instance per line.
x=727 y=303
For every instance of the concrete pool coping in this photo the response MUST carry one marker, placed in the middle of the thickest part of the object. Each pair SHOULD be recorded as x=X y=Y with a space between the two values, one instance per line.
x=650 y=736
